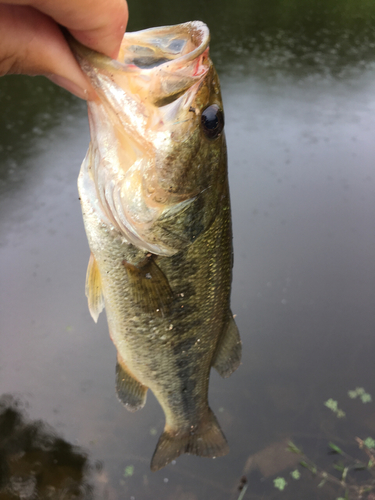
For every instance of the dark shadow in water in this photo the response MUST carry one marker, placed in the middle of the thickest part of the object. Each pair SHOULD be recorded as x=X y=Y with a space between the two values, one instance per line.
x=35 y=462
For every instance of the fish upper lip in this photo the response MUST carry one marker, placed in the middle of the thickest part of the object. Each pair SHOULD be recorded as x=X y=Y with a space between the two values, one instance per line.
x=193 y=31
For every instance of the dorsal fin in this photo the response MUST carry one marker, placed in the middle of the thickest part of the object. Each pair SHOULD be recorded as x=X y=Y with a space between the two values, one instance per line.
x=93 y=289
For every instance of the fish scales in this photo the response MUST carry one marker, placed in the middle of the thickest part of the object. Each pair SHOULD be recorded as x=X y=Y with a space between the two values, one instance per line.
x=155 y=203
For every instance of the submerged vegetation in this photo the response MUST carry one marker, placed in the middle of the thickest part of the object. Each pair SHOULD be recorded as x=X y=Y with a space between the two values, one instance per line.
x=344 y=467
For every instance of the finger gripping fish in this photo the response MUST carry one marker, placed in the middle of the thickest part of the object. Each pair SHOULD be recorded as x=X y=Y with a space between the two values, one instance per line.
x=155 y=202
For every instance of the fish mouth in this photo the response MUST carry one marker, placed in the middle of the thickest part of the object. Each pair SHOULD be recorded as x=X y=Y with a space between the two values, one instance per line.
x=150 y=48
x=157 y=63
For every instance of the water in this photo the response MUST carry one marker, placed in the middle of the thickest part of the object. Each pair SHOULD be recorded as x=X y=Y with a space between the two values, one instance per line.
x=299 y=96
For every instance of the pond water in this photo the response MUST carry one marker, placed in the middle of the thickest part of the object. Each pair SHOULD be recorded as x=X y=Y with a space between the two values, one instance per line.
x=298 y=82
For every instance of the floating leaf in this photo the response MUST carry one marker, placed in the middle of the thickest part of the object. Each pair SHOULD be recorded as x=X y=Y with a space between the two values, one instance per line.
x=366 y=398
x=369 y=442
x=331 y=404
x=280 y=483
x=295 y=474
x=129 y=471
x=335 y=448
x=360 y=390
x=352 y=394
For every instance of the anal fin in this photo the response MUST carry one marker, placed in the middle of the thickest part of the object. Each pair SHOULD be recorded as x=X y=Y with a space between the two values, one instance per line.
x=93 y=289
x=228 y=354
x=149 y=288
x=207 y=440
x=130 y=392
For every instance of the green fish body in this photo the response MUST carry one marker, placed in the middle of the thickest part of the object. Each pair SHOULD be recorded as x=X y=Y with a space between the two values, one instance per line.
x=155 y=202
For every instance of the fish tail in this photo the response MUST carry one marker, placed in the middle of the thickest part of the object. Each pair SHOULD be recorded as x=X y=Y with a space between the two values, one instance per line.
x=207 y=440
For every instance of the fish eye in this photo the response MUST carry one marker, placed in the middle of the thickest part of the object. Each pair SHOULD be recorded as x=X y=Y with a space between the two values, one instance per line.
x=212 y=120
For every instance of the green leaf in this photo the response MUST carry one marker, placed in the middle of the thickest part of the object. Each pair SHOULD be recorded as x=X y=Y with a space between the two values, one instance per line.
x=295 y=474
x=312 y=468
x=360 y=390
x=280 y=483
x=344 y=474
x=293 y=448
x=129 y=471
x=352 y=394
x=366 y=398
x=369 y=442
x=331 y=404
x=340 y=413
x=335 y=448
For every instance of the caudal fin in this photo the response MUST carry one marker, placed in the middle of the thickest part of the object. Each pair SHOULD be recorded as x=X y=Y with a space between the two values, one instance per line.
x=207 y=440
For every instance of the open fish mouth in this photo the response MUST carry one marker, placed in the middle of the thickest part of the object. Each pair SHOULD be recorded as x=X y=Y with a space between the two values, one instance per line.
x=160 y=62
x=149 y=48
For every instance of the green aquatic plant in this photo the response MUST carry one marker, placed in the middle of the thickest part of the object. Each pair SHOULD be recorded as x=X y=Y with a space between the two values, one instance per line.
x=346 y=465
x=360 y=392
x=280 y=483
x=295 y=474
x=333 y=406
x=129 y=471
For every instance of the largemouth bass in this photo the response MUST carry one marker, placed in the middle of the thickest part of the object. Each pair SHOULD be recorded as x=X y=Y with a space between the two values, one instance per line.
x=155 y=202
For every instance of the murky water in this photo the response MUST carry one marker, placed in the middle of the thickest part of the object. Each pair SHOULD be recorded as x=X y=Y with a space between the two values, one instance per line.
x=298 y=82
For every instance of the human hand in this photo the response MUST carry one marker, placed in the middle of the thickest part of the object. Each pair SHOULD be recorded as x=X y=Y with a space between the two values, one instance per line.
x=32 y=43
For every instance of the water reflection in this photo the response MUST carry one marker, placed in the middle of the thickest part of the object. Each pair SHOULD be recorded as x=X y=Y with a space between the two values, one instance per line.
x=36 y=463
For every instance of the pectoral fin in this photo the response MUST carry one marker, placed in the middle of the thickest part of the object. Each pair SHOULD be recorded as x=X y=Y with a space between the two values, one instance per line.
x=130 y=392
x=94 y=289
x=149 y=286
x=228 y=353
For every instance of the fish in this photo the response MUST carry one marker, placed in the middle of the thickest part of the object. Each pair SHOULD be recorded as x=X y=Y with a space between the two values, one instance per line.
x=156 y=209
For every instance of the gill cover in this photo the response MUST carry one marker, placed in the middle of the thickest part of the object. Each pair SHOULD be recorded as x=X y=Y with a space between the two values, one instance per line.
x=150 y=160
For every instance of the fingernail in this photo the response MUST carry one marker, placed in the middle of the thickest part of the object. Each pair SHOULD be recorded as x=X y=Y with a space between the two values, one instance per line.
x=70 y=86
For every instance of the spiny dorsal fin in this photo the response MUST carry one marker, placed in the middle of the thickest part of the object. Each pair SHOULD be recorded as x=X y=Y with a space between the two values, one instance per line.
x=228 y=354
x=94 y=289
x=149 y=286
x=130 y=392
x=207 y=440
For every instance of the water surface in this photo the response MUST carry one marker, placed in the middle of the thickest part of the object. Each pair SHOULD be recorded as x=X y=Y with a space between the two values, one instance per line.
x=298 y=81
